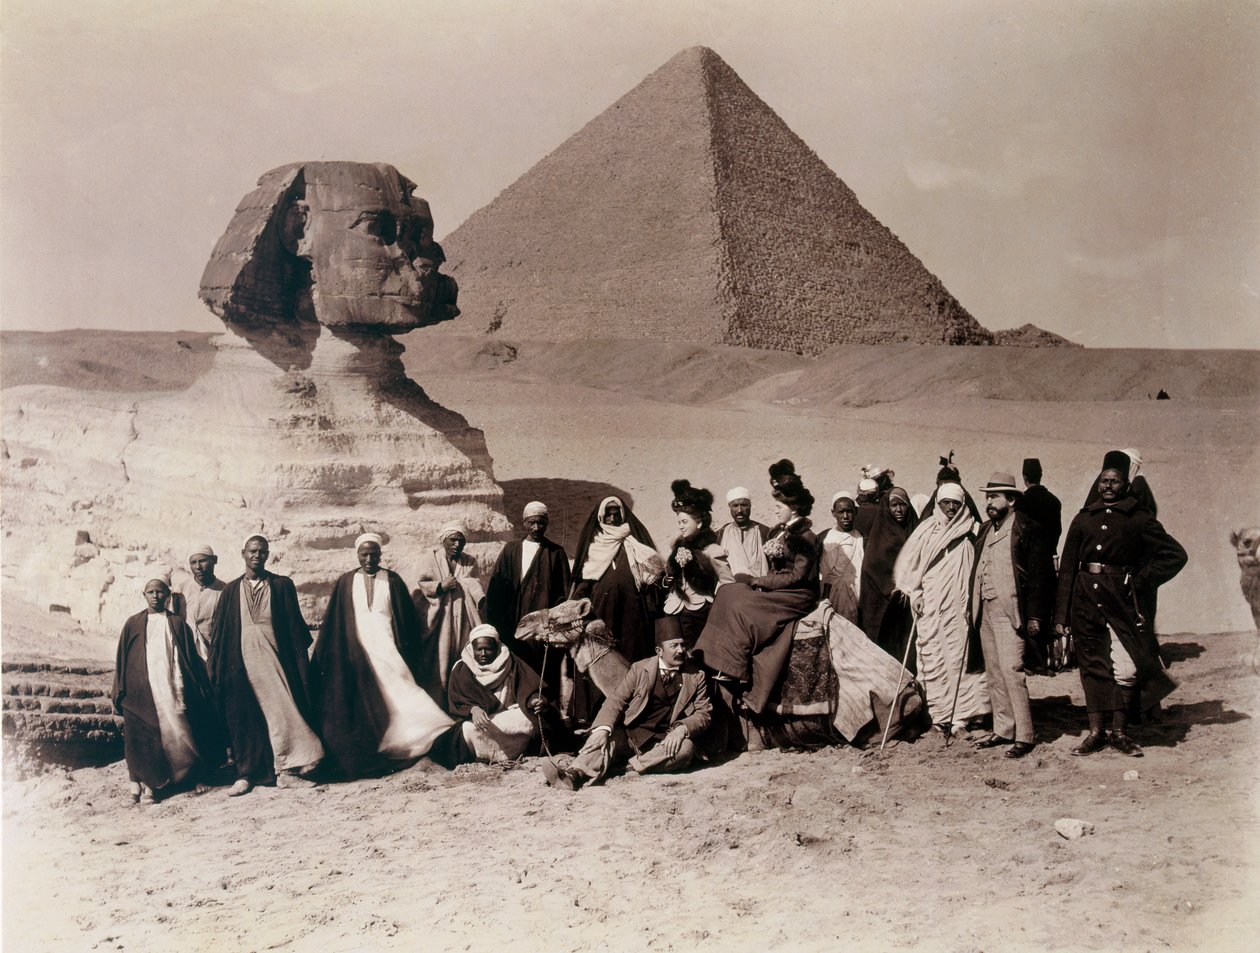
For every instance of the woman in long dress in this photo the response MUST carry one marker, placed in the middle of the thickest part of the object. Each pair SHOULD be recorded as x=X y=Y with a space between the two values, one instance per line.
x=697 y=566
x=744 y=639
x=934 y=571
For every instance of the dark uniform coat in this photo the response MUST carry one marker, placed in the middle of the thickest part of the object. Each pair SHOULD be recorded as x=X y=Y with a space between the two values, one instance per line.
x=1134 y=551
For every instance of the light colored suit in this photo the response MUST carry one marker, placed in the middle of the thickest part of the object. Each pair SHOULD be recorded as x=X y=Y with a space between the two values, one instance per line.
x=995 y=603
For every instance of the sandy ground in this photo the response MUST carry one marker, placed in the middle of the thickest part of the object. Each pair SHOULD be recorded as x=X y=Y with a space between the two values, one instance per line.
x=920 y=847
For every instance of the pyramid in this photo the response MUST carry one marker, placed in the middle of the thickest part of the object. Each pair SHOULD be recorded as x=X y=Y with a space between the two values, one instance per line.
x=689 y=211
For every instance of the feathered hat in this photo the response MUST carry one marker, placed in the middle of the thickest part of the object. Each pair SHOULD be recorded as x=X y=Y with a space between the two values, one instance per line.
x=691 y=499
x=948 y=473
x=786 y=487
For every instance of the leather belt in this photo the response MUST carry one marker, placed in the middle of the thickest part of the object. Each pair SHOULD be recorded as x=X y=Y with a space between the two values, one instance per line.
x=1098 y=569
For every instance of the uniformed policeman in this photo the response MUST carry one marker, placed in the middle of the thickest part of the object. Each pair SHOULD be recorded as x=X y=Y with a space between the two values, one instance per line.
x=1113 y=548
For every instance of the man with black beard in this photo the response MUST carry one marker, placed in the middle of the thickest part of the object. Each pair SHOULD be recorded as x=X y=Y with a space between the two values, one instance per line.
x=1012 y=598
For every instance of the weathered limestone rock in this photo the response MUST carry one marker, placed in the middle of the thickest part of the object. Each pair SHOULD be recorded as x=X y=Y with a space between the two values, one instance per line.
x=59 y=712
x=305 y=428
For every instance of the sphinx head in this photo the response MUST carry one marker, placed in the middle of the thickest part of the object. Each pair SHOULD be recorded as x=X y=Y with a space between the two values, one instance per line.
x=342 y=244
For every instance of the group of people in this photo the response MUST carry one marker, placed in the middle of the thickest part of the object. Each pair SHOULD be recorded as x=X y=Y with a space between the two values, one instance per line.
x=225 y=675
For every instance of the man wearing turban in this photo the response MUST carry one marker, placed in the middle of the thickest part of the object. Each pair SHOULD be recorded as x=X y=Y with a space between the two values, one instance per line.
x=743 y=536
x=259 y=666
x=199 y=596
x=372 y=669
x=448 y=581
x=531 y=573
x=933 y=570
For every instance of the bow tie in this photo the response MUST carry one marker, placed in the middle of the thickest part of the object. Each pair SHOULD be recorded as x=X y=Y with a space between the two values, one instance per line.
x=668 y=674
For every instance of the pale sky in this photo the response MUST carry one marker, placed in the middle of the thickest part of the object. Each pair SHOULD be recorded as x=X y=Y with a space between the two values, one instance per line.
x=1090 y=167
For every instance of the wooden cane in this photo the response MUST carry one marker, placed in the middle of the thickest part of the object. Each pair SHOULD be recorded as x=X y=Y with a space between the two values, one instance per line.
x=905 y=660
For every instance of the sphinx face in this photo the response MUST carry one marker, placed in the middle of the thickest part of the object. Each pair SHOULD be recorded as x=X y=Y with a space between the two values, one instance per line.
x=344 y=244
x=370 y=247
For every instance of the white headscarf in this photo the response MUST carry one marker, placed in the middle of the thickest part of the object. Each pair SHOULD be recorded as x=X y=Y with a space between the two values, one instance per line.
x=534 y=509
x=368 y=538
x=451 y=529
x=609 y=540
x=738 y=493
x=492 y=676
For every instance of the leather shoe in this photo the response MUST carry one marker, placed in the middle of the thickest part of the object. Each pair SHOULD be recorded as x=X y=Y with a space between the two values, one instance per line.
x=1125 y=745
x=993 y=741
x=1094 y=741
x=1019 y=749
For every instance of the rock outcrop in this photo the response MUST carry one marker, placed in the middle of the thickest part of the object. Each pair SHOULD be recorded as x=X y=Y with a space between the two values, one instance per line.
x=689 y=211
x=306 y=428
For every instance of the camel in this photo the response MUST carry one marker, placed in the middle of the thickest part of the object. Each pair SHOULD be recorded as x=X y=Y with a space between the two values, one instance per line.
x=1247 y=546
x=838 y=685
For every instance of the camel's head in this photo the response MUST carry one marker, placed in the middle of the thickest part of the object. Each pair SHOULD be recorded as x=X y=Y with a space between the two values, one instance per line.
x=1247 y=544
x=563 y=625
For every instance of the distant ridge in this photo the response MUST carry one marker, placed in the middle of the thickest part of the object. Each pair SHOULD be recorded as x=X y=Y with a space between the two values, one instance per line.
x=689 y=211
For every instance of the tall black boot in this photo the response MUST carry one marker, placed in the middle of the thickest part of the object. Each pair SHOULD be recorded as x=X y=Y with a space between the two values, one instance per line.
x=1120 y=739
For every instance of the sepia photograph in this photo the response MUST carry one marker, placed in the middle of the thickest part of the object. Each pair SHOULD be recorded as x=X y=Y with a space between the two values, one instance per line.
x=584 y=476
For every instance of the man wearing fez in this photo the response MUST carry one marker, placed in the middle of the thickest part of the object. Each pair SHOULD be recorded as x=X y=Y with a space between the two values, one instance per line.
x=199 y=596
x=531 y=573
x=650 y=721
x=258 y=664
x=372 y=664
x=1114 y=548
x=1040 y=504
x=1012 y=599
x=743 y=537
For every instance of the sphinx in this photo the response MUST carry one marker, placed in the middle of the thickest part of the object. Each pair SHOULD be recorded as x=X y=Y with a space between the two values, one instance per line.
x=306 y=427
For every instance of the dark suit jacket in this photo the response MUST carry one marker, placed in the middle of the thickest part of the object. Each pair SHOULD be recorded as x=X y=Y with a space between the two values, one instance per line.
x=629 y=699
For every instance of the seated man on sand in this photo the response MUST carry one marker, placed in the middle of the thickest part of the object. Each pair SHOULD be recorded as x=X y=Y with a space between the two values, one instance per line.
x=650 y=721
x=497 y=696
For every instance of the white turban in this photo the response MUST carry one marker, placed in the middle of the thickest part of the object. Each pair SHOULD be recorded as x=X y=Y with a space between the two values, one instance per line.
x=951 y=491
x=256 y=536
x=454 y=527
x=868 y=486
x=843 y=495
x=738 y=493
x=483 y=631
x=368 y=538
x=201 y=549
x=534 y=509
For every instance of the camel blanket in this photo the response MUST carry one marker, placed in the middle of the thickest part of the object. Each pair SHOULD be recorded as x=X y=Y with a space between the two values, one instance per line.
x=835 y=674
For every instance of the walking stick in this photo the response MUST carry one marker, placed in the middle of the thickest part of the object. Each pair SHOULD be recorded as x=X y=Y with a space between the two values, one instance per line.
x=962 y=667
x=905 y=660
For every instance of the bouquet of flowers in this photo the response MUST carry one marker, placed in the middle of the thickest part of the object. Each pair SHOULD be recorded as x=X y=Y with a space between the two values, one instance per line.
x=775 y=548
x=682 y=555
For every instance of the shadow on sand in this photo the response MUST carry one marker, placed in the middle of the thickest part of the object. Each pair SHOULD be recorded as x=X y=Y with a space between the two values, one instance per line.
x=569 y=503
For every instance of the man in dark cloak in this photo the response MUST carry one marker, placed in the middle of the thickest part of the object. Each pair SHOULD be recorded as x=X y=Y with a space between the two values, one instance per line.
x=1040 y=505
x=1114 y=547
x=531 y=573
x=258 y=666
x=170 y=731
x=370 y=669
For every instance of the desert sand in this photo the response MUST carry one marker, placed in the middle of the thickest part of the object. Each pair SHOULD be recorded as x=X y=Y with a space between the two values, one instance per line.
x=918 y=847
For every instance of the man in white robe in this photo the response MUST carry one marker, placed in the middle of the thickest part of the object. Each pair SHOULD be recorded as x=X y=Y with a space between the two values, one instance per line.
x=199 y=596
x=743 y=537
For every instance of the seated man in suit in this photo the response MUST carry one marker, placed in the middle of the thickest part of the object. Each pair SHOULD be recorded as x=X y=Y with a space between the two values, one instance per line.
x=650 y=721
